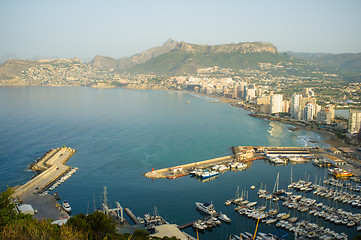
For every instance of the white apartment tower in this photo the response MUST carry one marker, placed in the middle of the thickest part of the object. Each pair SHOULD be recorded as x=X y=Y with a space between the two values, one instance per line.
x=276 y=103
x=354 y=121
x=295 y=106
x=250 y=92
x=308 y=112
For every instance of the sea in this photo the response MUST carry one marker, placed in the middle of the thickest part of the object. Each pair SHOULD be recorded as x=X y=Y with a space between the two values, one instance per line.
x=120 y=134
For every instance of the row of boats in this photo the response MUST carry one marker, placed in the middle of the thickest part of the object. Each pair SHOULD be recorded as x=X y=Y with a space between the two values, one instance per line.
x=62 y=179
x=340 y=184
x=285 y=220
x=307 y=229
x=259 y=236
x=216 y=169
x=213 y=220
x=339 y=194
x=284 y=160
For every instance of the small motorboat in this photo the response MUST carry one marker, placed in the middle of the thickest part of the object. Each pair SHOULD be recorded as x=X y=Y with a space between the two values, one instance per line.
x=224 y=217
x=66 y=206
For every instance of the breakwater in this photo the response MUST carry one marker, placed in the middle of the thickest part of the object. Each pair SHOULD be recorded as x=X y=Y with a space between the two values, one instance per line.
x=52 y=166
x=183 y=170
x=243 y=154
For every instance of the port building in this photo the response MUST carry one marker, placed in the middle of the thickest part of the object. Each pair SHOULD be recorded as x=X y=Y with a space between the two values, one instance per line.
x=335 y=161
x=286 y=152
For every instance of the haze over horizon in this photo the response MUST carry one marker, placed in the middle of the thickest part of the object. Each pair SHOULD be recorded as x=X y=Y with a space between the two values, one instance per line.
x=120 y=28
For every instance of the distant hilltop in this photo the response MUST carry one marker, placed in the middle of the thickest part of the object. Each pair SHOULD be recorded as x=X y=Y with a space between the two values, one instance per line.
x=175 y=58
x=245 y=47
x=107 y=63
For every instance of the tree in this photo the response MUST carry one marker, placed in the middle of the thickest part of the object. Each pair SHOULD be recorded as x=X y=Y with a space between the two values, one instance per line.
x=97 y=225
x=7 y=208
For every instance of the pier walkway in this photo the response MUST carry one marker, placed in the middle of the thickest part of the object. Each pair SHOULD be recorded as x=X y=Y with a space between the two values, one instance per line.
x=183 y=170
x=53 y=167
x=131 y=216
x=56 y=168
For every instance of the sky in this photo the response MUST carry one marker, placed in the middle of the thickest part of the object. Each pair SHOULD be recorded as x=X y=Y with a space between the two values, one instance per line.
x=85 y=28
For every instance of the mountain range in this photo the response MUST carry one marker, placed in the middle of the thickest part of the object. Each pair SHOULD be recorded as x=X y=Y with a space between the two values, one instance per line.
x=176 y=58
x=350 y=61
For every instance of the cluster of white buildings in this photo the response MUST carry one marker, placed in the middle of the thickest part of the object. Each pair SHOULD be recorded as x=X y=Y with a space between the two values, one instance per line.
x=301 y=107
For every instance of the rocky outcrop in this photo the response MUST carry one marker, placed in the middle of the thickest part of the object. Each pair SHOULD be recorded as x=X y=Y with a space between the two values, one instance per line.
x=245 y=47
x=154 y=52
x=107 y=63
x=12 y=69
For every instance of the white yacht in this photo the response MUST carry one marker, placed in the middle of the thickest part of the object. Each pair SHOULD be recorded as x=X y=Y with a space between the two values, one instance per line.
x=206 y=207
x=240 y=165
x=66 y=206
x=224 y=217
x=208 y=174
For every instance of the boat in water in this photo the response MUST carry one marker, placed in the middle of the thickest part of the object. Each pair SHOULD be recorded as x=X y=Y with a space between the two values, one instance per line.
x=338 y=172
x=206 y=207
x=240 y=165
x=277 y=160
x=208 y=174
x=296 y=159
x=276 y=191
x=66 y=206
x=224 y=217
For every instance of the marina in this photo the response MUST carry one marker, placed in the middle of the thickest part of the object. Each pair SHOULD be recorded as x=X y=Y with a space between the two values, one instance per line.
x=245 y=154
x=271 y=209
x=118 y=153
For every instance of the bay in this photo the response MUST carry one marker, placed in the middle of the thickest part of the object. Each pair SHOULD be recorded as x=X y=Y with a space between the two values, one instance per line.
x=120 y=134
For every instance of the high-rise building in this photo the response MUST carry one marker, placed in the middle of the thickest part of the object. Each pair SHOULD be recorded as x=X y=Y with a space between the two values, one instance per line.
x=241 y=89
x=324 y=116
x=285 y=106
x=303 y=102
x=276 y=103
x=295 y=106
x=354 y=121
x=332 y=111
x=308 y=112
x=250 y=92
x=235 y=90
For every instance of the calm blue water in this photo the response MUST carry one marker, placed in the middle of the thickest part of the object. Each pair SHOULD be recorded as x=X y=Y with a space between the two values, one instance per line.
x=121 y=134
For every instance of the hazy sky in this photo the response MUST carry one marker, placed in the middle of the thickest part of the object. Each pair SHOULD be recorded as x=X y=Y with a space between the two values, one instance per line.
x=86 y=28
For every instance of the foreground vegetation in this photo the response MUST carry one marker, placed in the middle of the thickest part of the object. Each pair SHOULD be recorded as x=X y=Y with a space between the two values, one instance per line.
x=14 y=225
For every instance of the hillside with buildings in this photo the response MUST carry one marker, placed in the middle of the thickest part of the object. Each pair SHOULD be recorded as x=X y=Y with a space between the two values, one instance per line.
x=254 y=74
x=350 y=61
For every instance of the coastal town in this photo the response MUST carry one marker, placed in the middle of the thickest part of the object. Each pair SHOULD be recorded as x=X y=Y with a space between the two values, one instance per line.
x=307 y=99
x=302 y=102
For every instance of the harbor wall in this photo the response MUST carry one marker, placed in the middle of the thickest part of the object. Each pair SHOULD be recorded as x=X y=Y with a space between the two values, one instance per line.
x=56 y=169
x=165 y=172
